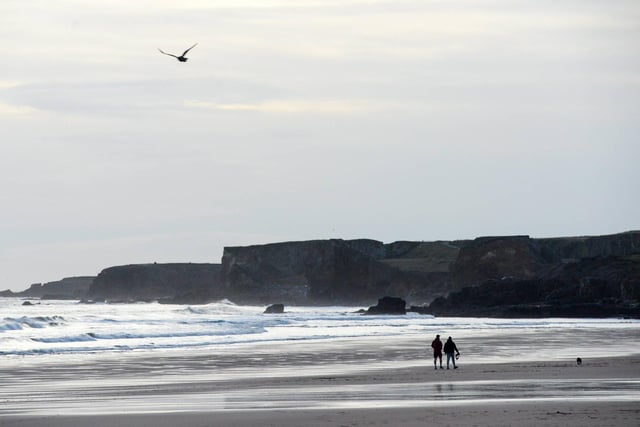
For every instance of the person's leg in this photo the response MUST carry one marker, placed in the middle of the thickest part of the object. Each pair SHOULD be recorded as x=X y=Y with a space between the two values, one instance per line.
x=453 y=359
x=440 y=355
x=448 y=358
x=435 y=358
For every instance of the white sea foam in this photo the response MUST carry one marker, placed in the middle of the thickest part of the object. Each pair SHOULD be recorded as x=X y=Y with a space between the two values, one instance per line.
x=10 y=323
x=64 y=327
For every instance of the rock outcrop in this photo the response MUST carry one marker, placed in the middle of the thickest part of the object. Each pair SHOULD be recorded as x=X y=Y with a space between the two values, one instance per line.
x=359 y=271
x=184 y=283
x=325 y=272
x=274 y=309
x=496 y=257
x=320 y=272
x=388 y=305
x=590 y=287
x=522 y=258
x=67 y=288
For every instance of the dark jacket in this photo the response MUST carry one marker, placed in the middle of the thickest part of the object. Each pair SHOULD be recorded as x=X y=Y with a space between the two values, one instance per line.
x=450 y=347
x=437 y=346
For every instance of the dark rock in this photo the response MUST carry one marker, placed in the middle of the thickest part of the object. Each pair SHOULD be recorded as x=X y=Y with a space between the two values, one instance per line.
x=552 y=273
x=178 y=283
x=495 y=257
x=565 y=249
x=68 y=288
x=591 y=287
x=27 y=303
x=389 y=305
x=419 y=309
x=524 y=258
x=275 y=309
x=327 y=272
x=321 y=272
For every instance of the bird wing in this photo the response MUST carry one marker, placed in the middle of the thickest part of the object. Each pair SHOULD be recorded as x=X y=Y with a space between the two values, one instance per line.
x=166 y=53
x=185 y=52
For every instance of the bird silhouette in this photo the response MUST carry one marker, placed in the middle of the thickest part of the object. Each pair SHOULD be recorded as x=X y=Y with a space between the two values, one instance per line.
x=181 y=58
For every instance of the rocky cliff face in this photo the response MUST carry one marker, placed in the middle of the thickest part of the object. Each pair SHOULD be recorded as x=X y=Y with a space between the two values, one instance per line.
x=316 y=272
x=146 y=282
x=496 y=257
x=520 y=257
x=599 y=286
x=67 y=288
x=564 y=249
x=359 y=271
x=323 y=272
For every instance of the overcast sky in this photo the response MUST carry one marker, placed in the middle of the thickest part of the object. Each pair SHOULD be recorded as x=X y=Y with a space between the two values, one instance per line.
x=308 y=119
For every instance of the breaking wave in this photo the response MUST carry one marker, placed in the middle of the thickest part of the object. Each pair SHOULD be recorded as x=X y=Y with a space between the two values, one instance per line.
x=13 y=324
x=70 y=328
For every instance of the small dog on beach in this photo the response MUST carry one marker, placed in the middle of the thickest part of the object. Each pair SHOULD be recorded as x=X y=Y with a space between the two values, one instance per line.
x=578 y=361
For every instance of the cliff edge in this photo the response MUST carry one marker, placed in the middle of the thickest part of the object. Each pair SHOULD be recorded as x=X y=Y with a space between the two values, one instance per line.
x=500 y=275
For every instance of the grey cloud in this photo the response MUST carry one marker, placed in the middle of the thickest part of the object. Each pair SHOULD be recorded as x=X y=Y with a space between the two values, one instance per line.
x=291 y=122
x=127 y=97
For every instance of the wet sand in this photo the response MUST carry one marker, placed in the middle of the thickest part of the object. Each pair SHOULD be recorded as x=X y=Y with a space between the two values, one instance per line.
x=524 y=414
x=601 y=392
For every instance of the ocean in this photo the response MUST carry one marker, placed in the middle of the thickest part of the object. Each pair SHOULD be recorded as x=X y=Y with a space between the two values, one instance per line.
x=52 y=329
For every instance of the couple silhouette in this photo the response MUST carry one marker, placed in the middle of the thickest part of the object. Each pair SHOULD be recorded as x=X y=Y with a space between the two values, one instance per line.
x=449 y=348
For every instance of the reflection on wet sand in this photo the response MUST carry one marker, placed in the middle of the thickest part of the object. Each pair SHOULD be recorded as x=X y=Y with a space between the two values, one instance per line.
x=411 y=387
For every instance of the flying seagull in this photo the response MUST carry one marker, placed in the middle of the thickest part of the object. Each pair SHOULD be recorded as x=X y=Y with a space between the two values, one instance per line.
x=181 y=58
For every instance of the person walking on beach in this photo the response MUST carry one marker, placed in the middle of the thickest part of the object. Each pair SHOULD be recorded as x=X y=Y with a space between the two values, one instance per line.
x=436 y=345
x=449 y=349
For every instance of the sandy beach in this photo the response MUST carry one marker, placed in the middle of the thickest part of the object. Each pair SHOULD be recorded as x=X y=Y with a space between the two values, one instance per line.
x=529 y=414
x=224 y=365
x=601 y=392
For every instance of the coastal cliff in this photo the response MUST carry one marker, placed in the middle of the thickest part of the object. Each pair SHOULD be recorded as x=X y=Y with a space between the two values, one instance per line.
x=176 y=282
x=521 y=257
x=360 y=271
x=67 y=288
x=317 y=272
x=336 y=271
x=486 y=275
x=589 y=287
